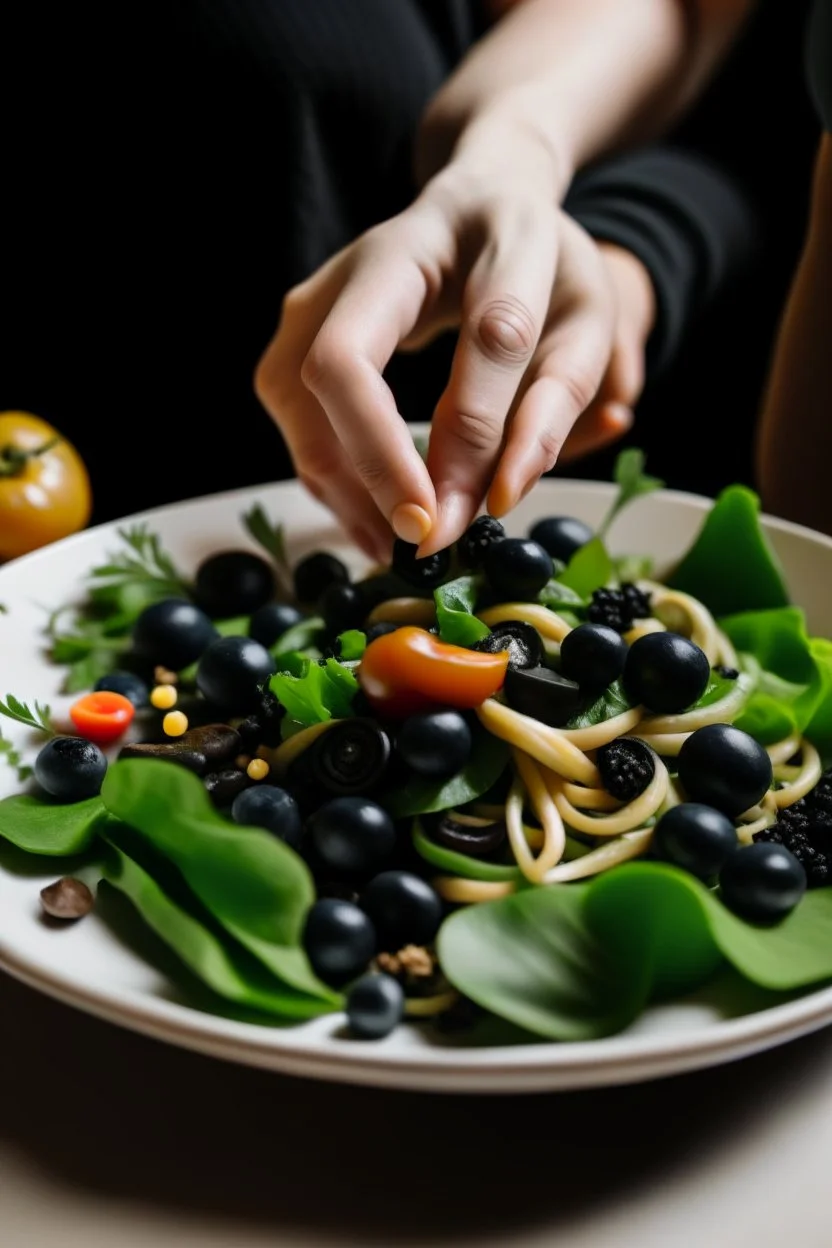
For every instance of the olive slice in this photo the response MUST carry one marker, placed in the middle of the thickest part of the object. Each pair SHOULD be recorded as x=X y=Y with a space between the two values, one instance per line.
x=523 y=643
x=542 y=694
x=350 y=757
x=468 y=835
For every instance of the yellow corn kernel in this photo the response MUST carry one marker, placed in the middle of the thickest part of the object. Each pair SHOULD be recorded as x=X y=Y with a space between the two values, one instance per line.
x=163 y=697
x=257 y=769
x=175 y=723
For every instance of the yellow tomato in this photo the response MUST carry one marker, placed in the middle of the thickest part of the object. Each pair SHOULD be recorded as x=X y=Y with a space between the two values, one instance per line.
x=44 y=486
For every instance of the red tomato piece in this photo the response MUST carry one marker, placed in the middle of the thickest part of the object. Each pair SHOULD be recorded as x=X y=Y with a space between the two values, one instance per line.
x=410 y=670
x=102 y=717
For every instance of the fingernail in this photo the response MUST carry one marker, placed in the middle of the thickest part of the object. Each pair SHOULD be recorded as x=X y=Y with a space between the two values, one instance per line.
x=619 y=416
x=411 y=523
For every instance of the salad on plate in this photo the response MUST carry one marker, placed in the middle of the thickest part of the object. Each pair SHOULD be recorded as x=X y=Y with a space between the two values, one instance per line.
x=519 y=778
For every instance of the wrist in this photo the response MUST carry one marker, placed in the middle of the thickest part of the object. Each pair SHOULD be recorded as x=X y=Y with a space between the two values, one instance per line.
x=504 y=139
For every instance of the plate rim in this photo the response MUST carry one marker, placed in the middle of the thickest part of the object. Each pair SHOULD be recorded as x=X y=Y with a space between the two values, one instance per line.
x=534 y=1066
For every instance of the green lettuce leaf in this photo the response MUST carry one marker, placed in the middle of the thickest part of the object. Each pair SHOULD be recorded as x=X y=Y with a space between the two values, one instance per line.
x=456 y=602
x=320 y=691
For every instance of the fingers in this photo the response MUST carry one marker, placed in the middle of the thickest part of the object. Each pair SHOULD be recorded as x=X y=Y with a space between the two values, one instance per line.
x=505 y=301
x=338 y=416
x=563 y=381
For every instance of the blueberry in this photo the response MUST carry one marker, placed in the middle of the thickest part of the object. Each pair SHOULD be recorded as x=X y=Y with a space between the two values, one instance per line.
x=405 y=910
x=270 y=807
x=517 y=568
x=70 y=769
x=762 y=882
x=479 y=537
x=695 y=837
x=315 y=573
x=231 y=671
x=724 y=767
x=342 y=607
x=173 y=633
x=233 y=582
x=561 y=536
x=352 y=836
x=127 y=684
x=271 y=621
x=665 y=672
x=593 y=655
x=436 y=744
x=339 y=939
x=424 y=573
x=375 y=1006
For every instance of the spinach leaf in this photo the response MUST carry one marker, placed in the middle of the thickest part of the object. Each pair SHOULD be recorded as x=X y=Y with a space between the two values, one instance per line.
x=302 y=637
x=455 y=605
x=352 y=644
x=219 y=962
x=731 y=566
x=55 y=829
x=253 y=884
x=613 y=701
x=555 y=595
x=590 y=568
x=319 y=692
x=574 y=962
x=420 y=796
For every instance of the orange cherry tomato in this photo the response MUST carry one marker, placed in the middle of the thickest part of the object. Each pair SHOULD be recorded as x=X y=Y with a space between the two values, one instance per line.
x=410 y=670
x=44 y=486
x=102 y=717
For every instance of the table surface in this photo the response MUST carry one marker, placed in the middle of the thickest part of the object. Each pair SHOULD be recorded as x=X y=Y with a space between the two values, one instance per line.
x=109 y=1138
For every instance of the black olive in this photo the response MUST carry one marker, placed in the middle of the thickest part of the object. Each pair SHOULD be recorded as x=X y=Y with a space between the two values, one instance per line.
x=315 y=573
x=477 y=539
x=477 y=839
x=127 y=684
x=352 y=836
x=517 y=568
x=339 y=940
x=405 y=910
x=375 y=1005
x=70 y=769
x=233 y=582
x=424 y=573
x=542 y=694
x=762 y=882
x=173 y=633
x=342 y=607
x=436 y=744
x=380 y=629
x=231 y=671
x=223 y=786
x=523 y=643
x=386 y=585
x=722 y=766
x=350 y=757
x=187 y=756
x=665 y=672
x=593 y=655
x=272 y=620
x=697 y=838
x=269 y=807
x=561 y=536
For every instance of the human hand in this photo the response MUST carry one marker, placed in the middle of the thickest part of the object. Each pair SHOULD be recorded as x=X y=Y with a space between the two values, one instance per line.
x=487 y=252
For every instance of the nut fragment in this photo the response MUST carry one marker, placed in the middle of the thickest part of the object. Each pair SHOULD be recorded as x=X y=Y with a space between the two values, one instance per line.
x=411 y=960
x=67 y=898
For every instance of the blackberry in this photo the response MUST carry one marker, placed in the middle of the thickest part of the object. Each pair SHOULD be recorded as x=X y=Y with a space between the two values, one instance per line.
x=805 y=828
x=626 y=766
x=618 y=608
x=476 y=540
x=263 y=727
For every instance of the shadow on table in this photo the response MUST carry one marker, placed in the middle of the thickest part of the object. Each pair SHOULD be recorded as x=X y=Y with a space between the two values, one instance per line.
x=125 y=1116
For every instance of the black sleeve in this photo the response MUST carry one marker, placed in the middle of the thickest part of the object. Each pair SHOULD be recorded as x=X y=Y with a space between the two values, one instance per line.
x=819 y=59
x=683 y=217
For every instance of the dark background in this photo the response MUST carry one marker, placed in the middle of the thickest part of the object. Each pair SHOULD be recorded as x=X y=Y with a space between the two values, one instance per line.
x=144 y=190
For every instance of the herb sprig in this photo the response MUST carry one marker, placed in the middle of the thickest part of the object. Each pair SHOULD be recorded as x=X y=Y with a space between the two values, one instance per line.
x=632 y=481
x=37 y=717
x=272 y=538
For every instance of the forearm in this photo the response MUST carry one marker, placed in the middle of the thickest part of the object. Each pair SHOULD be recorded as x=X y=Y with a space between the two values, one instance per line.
x=582 y=77
x=794 y=446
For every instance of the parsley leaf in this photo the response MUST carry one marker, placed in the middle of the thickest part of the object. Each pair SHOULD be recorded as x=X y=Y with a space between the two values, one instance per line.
x=37 y=718
x=321 y=692
x=632 y=481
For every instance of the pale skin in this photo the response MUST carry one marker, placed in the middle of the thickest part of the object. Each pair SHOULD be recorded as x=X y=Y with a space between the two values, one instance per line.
x=794 y=444
x=551 y=325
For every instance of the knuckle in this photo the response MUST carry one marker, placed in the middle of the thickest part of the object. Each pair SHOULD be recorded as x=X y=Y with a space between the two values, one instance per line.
x=477 y=430
x=580 y=387
x=373 y=471
x=549 y=445
x=506 y=331
x=324 y=365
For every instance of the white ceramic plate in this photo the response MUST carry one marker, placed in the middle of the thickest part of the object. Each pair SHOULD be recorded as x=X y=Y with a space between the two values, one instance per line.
x=116 y=972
